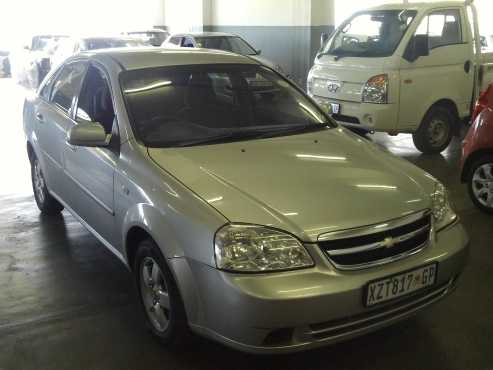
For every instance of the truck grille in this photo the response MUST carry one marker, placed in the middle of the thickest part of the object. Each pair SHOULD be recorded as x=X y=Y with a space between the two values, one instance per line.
x=377 y=244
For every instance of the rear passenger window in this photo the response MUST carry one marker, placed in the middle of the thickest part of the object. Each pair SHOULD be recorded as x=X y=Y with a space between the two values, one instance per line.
x=175 y=40
x=67 y=85
x=442 y=27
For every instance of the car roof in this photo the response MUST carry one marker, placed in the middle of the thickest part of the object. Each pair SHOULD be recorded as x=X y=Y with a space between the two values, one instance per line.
x=418 y=6
x=138 y=58
x=204 y=34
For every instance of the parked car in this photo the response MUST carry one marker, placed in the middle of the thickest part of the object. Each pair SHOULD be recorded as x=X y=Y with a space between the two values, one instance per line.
x=72 y=46
x=4 y=64
x=219 y=41
x=154 y=37
x=245 y=213
x=403 y=68
x=32 y=62
x=477 y=154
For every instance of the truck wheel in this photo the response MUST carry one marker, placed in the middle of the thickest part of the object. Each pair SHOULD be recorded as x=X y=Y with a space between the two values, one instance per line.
x=436 y=131
x=480 y=183
x=45 y=202
x=159 y=296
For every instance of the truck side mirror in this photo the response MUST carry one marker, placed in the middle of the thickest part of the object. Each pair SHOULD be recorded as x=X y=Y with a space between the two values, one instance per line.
x=419 y=46
x=324 y=37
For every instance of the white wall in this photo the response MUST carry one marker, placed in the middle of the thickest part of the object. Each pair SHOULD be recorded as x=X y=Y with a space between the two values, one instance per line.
x=184 y=15
x=260 y=12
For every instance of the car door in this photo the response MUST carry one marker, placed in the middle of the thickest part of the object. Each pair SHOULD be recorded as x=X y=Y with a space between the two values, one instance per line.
x=90 y=171
x=52 y=118
x=446 y=73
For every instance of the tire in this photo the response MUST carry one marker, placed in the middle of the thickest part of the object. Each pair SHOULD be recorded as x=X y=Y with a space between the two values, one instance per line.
x=480 y=183
x=160 y=298
x=436 y=131
x=46 y=203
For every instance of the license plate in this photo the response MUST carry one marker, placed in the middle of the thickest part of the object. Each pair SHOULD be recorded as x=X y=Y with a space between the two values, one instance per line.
x=396 y=286
x=335 y=108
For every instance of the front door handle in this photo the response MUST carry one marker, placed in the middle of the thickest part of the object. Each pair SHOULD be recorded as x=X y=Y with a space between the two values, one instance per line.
x=467 y=66
x=40 y=117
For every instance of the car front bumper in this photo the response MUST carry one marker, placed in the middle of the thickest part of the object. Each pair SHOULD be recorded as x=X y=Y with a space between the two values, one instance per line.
x=371 y=117
x=300 y=310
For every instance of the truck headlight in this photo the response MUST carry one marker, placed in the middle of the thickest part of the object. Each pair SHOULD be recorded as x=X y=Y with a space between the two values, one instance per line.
x=376 y=90
x=443 y=214
x=251 y=248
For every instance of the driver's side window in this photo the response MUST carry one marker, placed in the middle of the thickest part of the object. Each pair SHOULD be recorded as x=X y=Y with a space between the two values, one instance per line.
x=442 y=27
x=95 y=103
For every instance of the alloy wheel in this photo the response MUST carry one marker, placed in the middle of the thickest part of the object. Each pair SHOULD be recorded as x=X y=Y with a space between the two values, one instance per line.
x=155 y=295
x=39 y=182
x=482 y=185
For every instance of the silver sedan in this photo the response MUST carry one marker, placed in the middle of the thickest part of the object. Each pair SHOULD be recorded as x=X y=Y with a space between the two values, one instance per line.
x=245 y=213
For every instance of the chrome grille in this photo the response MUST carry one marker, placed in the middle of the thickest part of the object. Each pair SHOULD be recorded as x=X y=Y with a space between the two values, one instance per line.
x=377 y=244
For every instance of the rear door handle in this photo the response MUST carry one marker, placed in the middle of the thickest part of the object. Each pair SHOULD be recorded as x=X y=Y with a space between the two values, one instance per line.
x=40 y=117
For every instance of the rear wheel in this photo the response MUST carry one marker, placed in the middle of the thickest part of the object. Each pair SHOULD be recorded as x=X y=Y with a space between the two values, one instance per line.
x=45 y=202
x=161 y=301
x=480 y=183
x=436 y=131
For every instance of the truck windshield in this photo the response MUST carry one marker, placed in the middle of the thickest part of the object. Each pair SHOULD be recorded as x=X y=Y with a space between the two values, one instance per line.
x=370 y=34
x=208 y=104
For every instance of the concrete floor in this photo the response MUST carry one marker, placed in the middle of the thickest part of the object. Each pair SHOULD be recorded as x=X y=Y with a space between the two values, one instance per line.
x=67 y=303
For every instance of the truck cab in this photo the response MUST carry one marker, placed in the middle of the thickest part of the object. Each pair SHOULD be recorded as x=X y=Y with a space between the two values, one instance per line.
x=402 y=68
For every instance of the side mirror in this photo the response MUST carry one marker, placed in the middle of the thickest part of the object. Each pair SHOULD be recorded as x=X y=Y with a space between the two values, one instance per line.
x=419 y=46
x=89 y=134
x=258 y=51
x=324 y=37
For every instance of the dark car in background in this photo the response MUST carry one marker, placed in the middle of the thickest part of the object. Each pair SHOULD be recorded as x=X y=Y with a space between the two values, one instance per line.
x=477 y=153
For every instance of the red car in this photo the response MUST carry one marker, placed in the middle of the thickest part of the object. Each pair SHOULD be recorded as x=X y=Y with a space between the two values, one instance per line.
x=477 y=153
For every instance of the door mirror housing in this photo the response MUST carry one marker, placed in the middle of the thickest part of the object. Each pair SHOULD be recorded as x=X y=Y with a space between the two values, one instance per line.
x=418 y=47
x=90 y=134
x=258 y=51
x=324 y=37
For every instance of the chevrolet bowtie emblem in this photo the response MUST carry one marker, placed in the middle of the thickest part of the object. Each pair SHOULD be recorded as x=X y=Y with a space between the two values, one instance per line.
x=388 y=242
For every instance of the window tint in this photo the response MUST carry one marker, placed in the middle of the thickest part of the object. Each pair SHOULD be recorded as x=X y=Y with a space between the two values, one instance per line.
x=67 y=85
x=174 y=106
x=187 y=42
x=95 y=103
x=175 y=40
x=46 y=90
x=442 y=27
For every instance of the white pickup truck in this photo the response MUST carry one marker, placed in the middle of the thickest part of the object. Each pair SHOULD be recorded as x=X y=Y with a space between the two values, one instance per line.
x=404 y=68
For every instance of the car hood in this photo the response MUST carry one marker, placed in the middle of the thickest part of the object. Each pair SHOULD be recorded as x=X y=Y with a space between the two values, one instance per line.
x=306 y=184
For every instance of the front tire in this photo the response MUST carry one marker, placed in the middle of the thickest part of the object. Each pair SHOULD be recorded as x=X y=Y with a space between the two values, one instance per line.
x=436 y=131
x=480 y=183
x=46 y=203
x=159 y=295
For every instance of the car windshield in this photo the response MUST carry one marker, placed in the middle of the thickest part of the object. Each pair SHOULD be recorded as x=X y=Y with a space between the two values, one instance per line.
x=370 y=34
x=206 y=104
x=45 y=42
x=234 y=44
x=93 y=44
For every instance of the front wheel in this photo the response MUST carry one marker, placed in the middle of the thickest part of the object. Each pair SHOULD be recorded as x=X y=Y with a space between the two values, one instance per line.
x=161 y=301
x=436 y=131
x=45 y=202
x=480 y=183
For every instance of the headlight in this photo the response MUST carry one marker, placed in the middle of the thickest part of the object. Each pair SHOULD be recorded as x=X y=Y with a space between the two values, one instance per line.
x=376 y=90
x=443 y=214
x=250 y=248
x=309 y=84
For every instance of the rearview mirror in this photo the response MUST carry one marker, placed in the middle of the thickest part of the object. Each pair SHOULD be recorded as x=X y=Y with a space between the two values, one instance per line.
x=89 y=134
x=419 y=46
x=324 y=37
